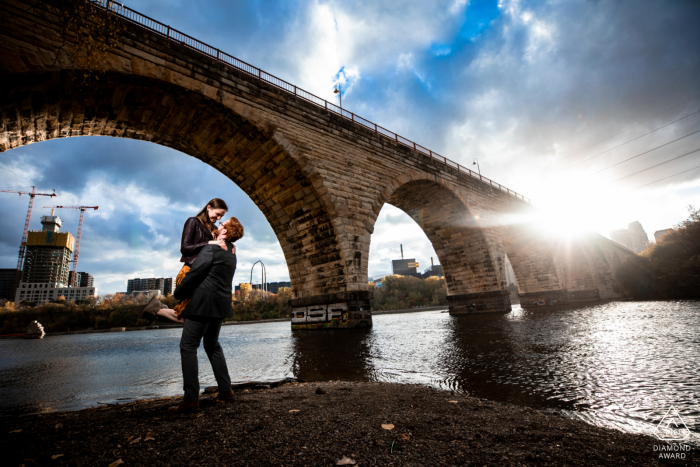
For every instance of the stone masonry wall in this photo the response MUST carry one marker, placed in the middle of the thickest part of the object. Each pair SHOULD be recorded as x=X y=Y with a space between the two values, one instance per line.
x=320 y=179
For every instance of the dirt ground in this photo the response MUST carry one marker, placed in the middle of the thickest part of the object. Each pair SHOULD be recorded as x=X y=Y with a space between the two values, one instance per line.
x=324 y=424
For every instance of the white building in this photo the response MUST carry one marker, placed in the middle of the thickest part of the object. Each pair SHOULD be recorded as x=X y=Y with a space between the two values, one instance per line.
x=43 y=292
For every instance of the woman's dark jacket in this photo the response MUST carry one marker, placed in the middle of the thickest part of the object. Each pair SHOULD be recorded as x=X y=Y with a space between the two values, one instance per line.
x=194 y=237
x=209 y=283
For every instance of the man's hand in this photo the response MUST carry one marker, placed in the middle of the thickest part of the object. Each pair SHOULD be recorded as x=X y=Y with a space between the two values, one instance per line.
x=221 y=243
x=233 y=249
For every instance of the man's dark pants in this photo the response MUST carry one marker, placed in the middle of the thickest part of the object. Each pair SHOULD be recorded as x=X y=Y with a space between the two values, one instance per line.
x=195 y=329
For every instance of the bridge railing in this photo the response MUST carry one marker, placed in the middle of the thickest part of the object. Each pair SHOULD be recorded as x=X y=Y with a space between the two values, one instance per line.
x=181 y=38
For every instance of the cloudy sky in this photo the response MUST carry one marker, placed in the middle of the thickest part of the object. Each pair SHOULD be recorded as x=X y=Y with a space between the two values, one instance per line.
x=563 y=101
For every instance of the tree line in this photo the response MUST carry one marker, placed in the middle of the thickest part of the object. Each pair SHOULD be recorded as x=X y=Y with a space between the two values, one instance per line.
x=669 y=269
x=115 y=311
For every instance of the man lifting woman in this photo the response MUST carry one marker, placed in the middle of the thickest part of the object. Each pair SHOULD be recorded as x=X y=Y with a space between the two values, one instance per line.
x=204 y=290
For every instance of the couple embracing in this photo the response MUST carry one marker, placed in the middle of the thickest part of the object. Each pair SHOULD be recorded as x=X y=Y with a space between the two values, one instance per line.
x=203 y=287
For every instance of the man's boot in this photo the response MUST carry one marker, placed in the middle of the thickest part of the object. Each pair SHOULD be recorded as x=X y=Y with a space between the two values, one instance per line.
x=224 y=396
x=150 y=311
x=184 y=407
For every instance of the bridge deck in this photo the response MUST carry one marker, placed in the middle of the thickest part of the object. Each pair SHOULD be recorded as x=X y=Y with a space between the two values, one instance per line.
x=190 y=42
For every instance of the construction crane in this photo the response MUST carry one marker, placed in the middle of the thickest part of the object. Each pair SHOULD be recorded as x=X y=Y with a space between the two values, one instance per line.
x=82 y=209
x=23 y=245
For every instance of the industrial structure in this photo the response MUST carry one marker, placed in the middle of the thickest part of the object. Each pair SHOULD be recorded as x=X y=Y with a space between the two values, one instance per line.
x=434 y=270
x=82 y=210
x=23 y=244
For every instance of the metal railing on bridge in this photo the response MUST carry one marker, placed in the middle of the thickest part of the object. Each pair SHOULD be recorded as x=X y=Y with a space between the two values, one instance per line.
x=190 y=42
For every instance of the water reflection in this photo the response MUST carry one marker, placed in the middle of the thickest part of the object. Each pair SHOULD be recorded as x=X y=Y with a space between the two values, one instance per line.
x=485 y=354
x=332 y=355
x=615 y=364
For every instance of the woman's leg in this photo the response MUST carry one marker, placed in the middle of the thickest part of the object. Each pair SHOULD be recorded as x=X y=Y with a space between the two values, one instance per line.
x=170 y=314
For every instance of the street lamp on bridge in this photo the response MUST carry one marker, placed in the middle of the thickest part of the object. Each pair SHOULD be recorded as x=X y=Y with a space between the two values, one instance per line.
x=339 y=91
x=476 y=163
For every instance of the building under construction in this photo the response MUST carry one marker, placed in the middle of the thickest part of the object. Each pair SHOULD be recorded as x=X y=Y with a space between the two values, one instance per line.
x=48 y=253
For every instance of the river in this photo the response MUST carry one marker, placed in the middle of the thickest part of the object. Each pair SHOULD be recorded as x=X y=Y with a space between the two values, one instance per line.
x=619 y=364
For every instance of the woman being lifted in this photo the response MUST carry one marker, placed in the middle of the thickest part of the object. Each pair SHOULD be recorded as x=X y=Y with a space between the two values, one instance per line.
x=198 y=232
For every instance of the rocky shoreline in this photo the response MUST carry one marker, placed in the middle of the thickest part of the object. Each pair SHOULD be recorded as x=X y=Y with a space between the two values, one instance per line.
x=324 y=424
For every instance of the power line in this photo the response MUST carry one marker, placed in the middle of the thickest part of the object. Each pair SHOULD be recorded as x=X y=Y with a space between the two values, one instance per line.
x=626 y=142
x=646 y=152
x=670 y=176
x=629 y=128
x=415 y=239
x=654 y=166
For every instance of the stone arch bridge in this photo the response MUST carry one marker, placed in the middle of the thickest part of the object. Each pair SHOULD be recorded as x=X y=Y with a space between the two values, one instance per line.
x=319 y=173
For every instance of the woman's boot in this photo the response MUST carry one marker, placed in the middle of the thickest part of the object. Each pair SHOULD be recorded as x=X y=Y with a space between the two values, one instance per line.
x=150 y=311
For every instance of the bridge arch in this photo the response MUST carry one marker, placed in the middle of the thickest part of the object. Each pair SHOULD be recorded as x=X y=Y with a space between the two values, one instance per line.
x=320 y=174
x=472 y=259
x=39 y=106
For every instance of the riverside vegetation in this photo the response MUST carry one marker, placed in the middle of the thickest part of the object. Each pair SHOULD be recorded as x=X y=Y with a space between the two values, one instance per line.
x=668 y=270
x=112 y=311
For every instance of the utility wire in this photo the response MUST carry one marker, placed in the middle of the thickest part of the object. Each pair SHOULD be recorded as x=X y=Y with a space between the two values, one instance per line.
x=626 y=142
x=415 y=239
x=654 y=166
x=629 y=128
x=646 y=152
x=670 y=176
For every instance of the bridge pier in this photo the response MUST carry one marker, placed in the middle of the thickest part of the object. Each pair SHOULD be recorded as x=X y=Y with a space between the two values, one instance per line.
x=335 y=310
x=319 y=176
x=497 y=301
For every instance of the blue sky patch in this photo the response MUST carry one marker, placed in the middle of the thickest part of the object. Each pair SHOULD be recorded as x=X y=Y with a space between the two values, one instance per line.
x=479 y=16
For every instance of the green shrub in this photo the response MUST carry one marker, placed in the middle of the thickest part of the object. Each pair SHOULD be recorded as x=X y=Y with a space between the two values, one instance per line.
x=402 y=292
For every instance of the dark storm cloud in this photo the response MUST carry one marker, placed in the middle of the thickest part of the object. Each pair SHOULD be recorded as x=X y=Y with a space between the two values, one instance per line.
x=567 y=73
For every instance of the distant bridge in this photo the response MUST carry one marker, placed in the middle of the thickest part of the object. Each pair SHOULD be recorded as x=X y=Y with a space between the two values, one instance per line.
x=319 y=173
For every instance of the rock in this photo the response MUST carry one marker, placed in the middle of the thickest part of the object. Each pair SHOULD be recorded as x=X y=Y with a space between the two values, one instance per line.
x=35 y=331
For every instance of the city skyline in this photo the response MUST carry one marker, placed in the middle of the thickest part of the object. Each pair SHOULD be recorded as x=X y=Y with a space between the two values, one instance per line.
x=540 y=99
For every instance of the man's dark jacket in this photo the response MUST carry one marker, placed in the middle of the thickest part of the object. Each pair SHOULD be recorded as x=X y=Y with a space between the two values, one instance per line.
x=209 y=283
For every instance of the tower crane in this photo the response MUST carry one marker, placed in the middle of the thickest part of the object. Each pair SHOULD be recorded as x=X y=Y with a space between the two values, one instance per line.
x=82 y=209
x=23 y=245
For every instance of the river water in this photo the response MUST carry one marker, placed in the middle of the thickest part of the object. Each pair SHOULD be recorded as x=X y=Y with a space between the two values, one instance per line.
x=620 y=364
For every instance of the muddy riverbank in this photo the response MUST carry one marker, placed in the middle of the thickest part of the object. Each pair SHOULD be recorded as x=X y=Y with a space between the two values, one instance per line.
x=325 y=423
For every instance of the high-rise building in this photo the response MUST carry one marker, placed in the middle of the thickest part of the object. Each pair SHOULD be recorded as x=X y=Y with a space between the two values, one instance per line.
x=164 y=284
x=7 y=282
x=659 y=234
x=633 y=237
x=82 y=279
x=48 y=253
